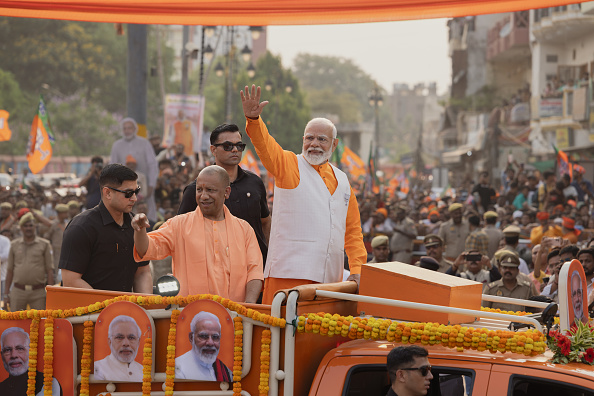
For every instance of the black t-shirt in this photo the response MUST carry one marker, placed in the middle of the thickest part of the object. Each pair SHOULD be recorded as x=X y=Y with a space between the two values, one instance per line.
x=246 y=201
x=486 y=193
x=95 y=246
x=93 y=192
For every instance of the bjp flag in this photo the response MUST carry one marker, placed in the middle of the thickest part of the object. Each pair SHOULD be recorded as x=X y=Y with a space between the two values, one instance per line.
x=39 y=148
x=5 y=132
x=249 y=162
x=353 y=164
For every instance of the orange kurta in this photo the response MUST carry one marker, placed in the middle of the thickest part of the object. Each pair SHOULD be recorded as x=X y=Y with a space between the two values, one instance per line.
x=283 y=166
x=215 y=257
x=536 y=234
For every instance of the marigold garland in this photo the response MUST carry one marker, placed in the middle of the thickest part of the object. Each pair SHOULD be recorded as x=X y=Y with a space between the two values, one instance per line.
x=151 y=300
x=85 y=361
x=265 y=363
x=32 y=370
x=237 y=355
x=529 y=343
x=170 y=368
x=48 y=356
x=147 y=365
x=497 y=310
x=140 y=300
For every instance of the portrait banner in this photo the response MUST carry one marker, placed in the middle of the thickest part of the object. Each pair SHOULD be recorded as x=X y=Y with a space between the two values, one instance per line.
x=184 y=116
x=204 y=343
x=120 y=333
x=15 y=358
x=573 y=296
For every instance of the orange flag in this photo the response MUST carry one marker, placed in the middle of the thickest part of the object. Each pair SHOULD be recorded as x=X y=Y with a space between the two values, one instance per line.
x=249 y=162
x=39 y=148
x=352 y=162
x=5 y=132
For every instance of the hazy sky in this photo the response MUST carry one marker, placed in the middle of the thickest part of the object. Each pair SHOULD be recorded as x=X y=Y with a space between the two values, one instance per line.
x=391 y=52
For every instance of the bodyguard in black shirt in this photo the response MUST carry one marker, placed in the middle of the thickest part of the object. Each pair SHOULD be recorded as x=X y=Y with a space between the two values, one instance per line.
x=248 y=194
x=98 y=244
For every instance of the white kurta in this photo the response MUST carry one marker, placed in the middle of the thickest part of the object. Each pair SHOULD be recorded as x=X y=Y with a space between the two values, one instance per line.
x=111 y=369
x=188 y=366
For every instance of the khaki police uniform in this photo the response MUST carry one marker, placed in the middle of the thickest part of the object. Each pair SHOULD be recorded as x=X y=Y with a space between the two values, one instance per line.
x=29 y=263
x=433 y=240
x=54 y=235
x=454 y=237
x=522 y=289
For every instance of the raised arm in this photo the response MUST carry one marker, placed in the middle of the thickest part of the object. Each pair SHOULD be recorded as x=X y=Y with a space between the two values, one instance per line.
x=141 y=240
x=250 y=100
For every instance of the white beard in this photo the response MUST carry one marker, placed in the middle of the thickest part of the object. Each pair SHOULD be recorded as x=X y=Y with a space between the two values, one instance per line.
x=317 y=156
x=207 y=358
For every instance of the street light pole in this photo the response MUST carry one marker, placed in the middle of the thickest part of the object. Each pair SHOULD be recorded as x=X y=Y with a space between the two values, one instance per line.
x=376 y=100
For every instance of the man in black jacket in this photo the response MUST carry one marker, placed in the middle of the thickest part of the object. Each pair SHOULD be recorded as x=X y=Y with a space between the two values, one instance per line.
x=409 y=370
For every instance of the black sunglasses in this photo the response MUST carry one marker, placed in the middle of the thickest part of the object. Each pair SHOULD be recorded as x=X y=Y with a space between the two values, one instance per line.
x=423 y=369
x=228 y=146
x=127 y=193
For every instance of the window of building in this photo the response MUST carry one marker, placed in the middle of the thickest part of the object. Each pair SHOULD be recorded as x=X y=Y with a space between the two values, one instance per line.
x=552 y=58
x=531 y=386
x=373 y=380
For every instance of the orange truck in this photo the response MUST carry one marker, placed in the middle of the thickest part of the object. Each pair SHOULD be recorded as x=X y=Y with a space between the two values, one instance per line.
x=312 y=340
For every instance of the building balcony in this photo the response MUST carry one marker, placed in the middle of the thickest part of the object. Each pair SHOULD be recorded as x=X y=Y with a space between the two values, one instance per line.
x=570 y=110
x=560 y=24
x=508 y=40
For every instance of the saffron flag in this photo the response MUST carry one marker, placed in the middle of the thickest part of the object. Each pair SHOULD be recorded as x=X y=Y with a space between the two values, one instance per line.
x=41 y=138
x=5 y=133
x=352 y=163
x=564 y=166
x=248 y=162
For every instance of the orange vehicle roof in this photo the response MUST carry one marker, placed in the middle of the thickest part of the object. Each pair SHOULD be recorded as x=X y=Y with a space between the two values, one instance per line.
x=382 y=348
x=260 y=12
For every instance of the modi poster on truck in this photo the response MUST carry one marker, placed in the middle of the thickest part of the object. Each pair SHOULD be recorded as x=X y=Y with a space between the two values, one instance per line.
x=184 y=115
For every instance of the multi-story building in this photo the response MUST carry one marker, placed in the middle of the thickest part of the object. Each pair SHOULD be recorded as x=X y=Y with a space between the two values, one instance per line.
x=562 y=41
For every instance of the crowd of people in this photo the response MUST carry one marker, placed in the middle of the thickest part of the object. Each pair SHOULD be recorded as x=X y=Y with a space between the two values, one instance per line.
x=514 y=240
x=215 y=219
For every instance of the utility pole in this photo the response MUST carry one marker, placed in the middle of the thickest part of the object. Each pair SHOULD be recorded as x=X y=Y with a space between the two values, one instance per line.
x=137 y=76
x=184 y=59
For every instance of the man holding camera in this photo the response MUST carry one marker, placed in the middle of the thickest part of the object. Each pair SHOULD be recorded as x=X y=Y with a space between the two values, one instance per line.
x=91 y=182
x=478 y=267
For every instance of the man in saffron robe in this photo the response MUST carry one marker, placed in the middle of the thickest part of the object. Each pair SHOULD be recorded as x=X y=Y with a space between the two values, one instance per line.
x=202 y=362
x=213 y=251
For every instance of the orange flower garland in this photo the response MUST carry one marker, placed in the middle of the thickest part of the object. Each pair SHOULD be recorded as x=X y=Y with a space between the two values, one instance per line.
x=170 y=369
x=147 y=365
x=140 y=300
x=265 y=363
x=85 y=361
x=497 y=310
x=48 y=356
x=33 y=340
x=237 y=355
x=529 y=343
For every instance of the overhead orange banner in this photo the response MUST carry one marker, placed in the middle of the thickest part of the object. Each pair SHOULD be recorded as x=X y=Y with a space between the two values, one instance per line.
x=5 y=132
x=261 y=12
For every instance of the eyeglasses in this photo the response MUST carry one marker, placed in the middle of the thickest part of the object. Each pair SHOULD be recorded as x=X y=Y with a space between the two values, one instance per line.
x=127 y=193
x=321 y=138
x=205 y=337
x=228 y=146
x=423 y=369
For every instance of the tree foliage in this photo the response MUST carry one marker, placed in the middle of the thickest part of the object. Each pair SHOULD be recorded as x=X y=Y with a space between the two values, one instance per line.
x=80 y=69
x=285 y=116
x=335 y=85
